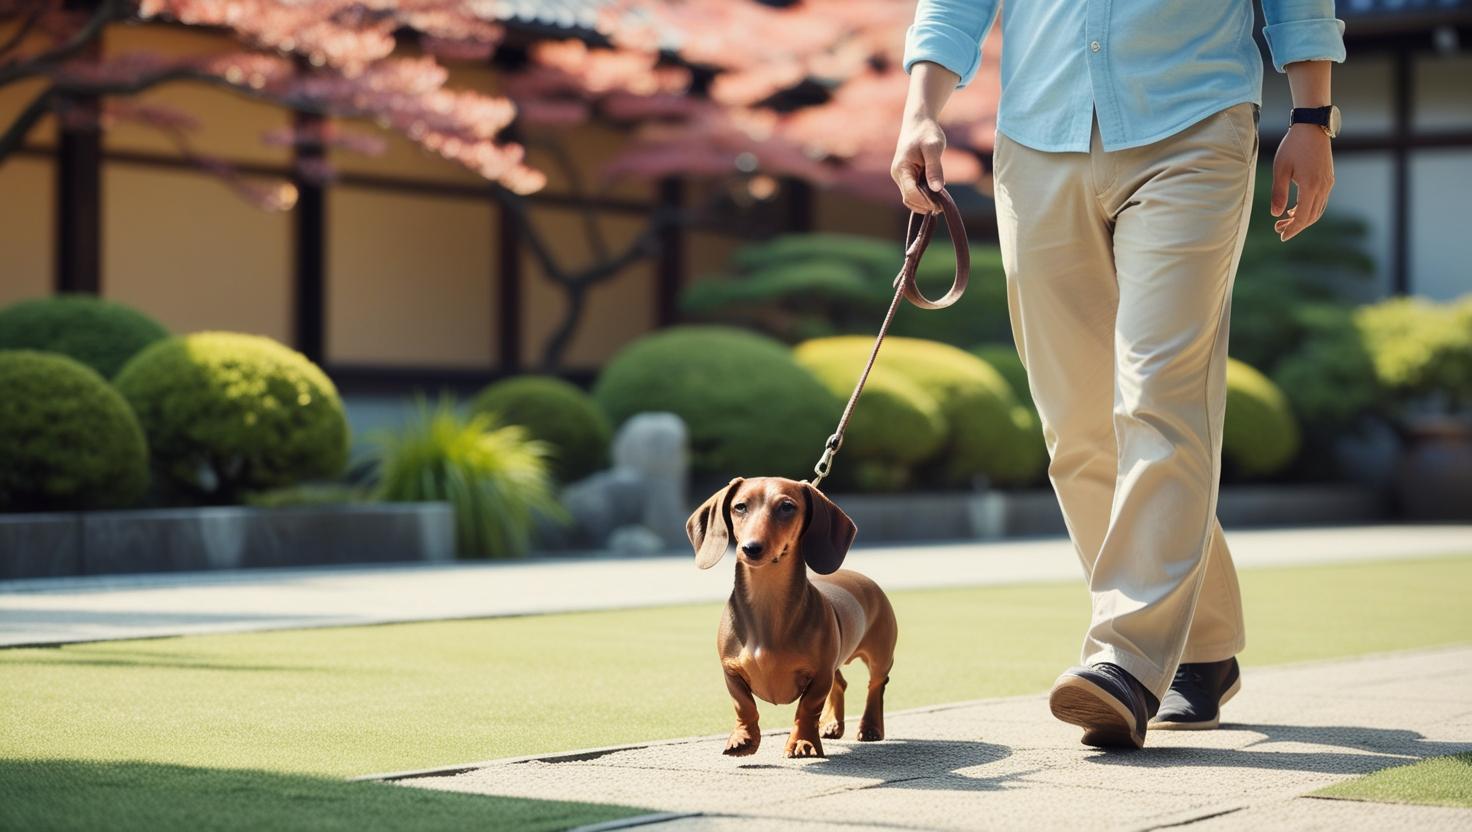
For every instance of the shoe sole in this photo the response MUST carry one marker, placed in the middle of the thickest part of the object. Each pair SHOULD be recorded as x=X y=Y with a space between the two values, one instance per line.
x=1204 y=725
x=1106 y=721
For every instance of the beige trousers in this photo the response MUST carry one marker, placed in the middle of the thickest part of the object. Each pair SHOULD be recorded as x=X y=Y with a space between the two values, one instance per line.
x=1119 y=275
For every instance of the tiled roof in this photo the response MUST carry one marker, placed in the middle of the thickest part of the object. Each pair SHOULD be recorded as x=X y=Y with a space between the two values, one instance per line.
x=1393 y=8
x=561 y=14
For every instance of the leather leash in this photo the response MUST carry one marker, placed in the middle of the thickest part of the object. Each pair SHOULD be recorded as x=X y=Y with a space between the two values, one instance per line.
x=904 y=283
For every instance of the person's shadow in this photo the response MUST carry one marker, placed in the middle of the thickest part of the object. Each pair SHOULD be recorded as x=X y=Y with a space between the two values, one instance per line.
x=1372 y=749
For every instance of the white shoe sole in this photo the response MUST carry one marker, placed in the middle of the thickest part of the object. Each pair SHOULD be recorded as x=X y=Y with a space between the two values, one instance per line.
x=1206 y=725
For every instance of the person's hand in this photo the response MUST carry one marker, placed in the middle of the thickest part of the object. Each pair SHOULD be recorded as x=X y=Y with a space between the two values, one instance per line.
x=917 y=160
x=1305 y=159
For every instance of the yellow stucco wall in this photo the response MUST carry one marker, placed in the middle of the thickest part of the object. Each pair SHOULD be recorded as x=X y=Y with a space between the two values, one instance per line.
x=184 y=248
x=411 y=279
x=27 y=248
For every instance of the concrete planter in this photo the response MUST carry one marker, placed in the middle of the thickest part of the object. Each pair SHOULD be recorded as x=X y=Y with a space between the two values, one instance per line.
x=989 y=515
x=225 y=537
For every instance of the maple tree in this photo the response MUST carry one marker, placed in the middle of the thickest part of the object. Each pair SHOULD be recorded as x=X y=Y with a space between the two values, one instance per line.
x=736 y=90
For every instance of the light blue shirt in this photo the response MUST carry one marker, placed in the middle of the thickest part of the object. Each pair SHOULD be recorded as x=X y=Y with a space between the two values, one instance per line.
x=1147 y=69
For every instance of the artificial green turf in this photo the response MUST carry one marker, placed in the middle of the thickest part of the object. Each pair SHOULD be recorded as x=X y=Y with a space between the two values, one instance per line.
x=1440 y=781
x=84 y=795
x=349 y=701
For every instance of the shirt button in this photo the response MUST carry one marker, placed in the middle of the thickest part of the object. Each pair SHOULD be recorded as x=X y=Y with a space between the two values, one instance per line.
x=1094 y=47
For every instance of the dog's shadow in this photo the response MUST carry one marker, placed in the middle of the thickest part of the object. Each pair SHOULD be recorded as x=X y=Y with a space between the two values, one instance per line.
x=907 y=764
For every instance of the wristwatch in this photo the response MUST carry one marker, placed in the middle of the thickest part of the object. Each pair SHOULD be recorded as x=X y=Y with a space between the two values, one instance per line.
x=1326 y=118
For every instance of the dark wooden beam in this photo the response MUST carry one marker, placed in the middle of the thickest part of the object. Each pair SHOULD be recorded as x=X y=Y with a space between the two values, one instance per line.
x=309 y=246
x=801 y=206
x=1403 y=90
x=670 y=269
x=79 y=195
x=508 y=287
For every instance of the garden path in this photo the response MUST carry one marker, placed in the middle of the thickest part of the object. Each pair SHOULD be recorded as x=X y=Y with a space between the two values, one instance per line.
x=1005 y=763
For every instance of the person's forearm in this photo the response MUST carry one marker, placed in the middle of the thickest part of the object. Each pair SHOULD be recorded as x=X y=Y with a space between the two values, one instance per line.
x=931 y=86
x=1309 y=81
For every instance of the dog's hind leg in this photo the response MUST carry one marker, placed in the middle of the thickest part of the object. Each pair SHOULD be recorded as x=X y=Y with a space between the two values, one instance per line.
x=832 y=721
x=871 y=724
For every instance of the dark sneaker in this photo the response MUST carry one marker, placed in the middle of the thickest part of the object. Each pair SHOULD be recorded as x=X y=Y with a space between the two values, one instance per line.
x=1197 y=695
x=1107 y=702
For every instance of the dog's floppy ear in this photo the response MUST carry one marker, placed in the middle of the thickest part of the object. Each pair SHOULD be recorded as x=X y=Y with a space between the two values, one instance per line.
x=828 y=535
x=709 y=528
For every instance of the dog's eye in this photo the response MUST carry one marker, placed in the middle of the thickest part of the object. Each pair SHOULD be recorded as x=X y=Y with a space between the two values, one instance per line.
x=739 y=508
x=787 y=508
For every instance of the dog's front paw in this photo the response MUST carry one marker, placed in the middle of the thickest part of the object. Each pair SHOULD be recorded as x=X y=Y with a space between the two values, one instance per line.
x=832 y=730
x=870 y=732
x=742 y=742
x=799 y=747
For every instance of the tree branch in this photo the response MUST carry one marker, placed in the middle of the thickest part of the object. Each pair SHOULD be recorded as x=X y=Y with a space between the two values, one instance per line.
x=24 y=30
x=15 y=135
x=596 y=241
x=107 y=12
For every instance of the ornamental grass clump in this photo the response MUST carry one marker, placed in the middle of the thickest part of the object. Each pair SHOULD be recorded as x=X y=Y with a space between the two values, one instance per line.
x=495 y=477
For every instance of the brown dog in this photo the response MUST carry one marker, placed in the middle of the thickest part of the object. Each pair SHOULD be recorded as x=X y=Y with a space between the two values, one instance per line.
x=783 y=637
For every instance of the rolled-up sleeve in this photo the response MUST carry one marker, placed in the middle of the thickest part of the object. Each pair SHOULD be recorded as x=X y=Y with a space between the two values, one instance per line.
x=949 y=33
x=1302 y=30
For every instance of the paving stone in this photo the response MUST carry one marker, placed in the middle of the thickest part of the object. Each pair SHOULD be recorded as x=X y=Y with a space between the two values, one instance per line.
x=1006 y=763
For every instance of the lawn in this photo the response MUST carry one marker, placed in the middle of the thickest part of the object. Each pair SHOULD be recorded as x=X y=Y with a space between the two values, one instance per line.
x=252 y=716
x=1442 y=781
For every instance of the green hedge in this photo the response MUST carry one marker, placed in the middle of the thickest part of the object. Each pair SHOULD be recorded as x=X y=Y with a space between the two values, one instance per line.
x=1420 y=350
x=751 y=410
x=1330 y=379
x=803 y=286
x=988 y=431
x=68 y=441
x=557 y=413
x=99 y=333
x=226 y=413
x=1260 y=436
x=895 y=425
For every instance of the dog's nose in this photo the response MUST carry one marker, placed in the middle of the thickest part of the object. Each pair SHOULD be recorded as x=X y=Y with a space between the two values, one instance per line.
x=751 y=548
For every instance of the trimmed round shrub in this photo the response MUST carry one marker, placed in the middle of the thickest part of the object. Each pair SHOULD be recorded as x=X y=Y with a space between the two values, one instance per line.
x=895 y=424
x=226 y=413
x=557 y=413
x=1330 y=379
x=68 y=441
x=988 y=430
x=1422 y=351
x=751 y=410
x=1260 y=436
x=99 y=333
x=1004 y=359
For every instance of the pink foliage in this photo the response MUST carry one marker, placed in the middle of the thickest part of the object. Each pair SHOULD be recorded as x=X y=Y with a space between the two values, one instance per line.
x=344 y=58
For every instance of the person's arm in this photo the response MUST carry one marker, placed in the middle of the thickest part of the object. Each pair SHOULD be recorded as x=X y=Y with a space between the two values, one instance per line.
x=942 y=54
x=1305 y=41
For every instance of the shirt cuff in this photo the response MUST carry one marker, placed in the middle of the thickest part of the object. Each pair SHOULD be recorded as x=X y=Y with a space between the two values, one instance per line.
x=1319 y=39
x=943 y=44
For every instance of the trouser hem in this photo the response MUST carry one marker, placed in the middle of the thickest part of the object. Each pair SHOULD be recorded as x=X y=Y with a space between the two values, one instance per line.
x=1213 y=652
x=1145 y=672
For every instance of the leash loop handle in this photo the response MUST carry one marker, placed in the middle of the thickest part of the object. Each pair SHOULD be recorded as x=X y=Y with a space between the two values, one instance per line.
x=917 y=237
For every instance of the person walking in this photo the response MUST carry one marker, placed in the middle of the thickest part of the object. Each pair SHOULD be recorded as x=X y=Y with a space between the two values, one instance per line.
x=1127 y=142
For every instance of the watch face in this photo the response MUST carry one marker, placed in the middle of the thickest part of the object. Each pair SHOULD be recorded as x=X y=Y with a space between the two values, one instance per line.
x=1333 y=122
